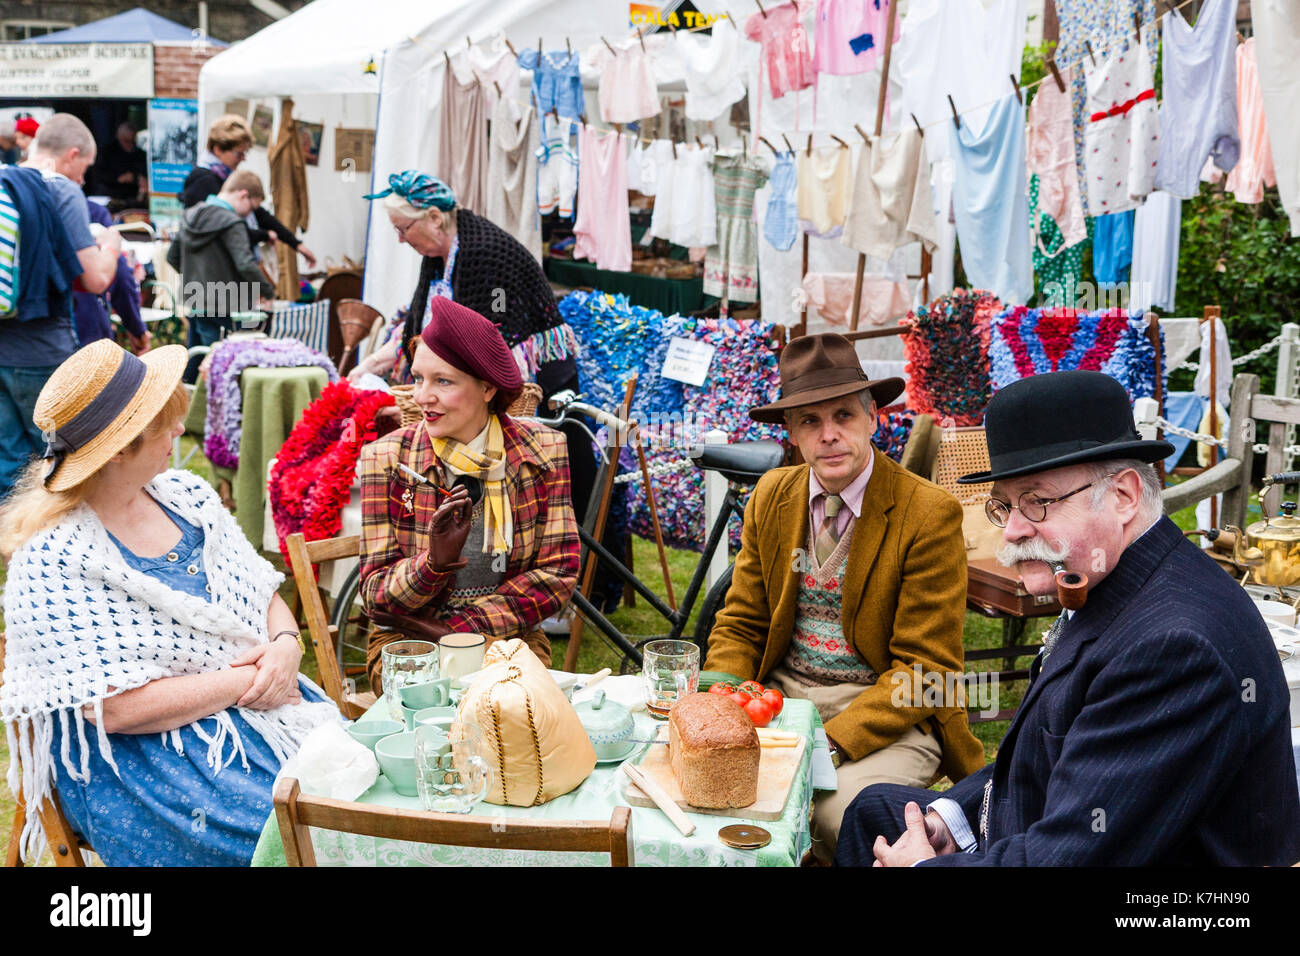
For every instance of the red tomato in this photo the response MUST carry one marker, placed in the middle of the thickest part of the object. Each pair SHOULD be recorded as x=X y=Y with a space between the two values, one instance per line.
x=759 y=711
x=739 y=698
x=722 y=688
x=775 y=700
x=751 y=687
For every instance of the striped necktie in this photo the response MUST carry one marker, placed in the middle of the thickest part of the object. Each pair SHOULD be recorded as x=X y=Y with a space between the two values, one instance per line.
x=827 y=535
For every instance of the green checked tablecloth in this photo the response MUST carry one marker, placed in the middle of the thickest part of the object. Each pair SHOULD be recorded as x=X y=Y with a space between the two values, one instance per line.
x=656 y=842
x=273 y=401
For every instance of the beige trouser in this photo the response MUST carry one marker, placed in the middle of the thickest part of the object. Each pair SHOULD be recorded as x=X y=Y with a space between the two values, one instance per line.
x=912 y=760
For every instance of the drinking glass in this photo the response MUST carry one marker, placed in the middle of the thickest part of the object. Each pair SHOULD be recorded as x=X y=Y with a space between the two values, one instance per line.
x=403 y=663
x=453 y=767
x=671 y=670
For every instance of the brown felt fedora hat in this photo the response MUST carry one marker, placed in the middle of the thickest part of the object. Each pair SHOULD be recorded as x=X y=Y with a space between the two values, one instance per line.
x=817 y=368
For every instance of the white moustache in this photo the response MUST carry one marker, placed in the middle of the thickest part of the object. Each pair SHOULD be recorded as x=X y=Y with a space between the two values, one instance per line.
x=1035 y=549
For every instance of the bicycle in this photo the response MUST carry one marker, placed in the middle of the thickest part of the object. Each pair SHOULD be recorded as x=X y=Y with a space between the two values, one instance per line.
x=741 y=463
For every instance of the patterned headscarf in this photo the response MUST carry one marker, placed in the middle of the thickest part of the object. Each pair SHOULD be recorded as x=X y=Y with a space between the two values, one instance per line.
x=420 y=190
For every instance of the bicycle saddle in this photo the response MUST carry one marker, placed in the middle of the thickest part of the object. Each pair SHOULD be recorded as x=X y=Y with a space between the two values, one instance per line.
x=743 y=462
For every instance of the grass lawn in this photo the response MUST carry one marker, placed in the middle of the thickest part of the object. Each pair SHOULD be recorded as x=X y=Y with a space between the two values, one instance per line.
x=641 y=621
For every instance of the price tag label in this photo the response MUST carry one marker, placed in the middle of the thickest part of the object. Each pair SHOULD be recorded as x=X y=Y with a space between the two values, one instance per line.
x=687 y=361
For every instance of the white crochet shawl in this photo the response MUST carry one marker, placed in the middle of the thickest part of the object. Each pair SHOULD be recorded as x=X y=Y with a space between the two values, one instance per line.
x=80 y=621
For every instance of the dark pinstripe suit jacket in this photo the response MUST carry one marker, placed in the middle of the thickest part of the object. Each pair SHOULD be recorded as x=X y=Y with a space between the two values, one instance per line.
x=1156 y=733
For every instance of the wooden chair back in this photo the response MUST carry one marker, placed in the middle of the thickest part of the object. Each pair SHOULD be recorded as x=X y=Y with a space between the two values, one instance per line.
x=296 y=811
x=302 y=555
x=63 y=841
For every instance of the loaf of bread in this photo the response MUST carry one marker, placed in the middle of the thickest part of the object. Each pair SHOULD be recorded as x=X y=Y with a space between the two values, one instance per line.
x=713 y=749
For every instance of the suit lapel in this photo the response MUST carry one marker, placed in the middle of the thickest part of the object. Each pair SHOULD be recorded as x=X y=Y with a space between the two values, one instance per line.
x=868 y=532
x=792 y=515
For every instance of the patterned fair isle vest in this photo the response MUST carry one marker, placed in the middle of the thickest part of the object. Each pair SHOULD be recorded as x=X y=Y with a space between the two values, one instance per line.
x=819 y=654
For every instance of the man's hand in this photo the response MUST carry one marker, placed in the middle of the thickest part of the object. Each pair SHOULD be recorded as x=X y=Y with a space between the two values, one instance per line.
x=110 y=239
x=308 y=255
x=277 y=674
x=139 y=344
x=914 y=845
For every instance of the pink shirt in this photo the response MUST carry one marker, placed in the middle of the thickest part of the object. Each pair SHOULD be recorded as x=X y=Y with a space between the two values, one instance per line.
x=864 y=22
x=786 y=47
x=852 y=496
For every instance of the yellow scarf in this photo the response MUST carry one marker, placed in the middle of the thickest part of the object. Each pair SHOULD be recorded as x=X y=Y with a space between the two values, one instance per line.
x=489 y=466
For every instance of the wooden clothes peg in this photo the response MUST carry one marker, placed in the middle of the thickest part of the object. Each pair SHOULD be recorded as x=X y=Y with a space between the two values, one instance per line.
x=1019 y=95
x=641 y=39
x=919 y=128
x=511 y=47
x=787 y=144
x=840 y=141
x=865 y=138
x=956 y=120
x=1088 y=44
x=539 y=48
x=760 y=8
x=769 y=146
x=1056 y=74
x=810 y=144
x=468 y=45
x=1137 y=25
x=608 y=47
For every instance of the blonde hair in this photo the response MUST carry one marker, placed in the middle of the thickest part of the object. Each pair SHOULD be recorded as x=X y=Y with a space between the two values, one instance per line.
x=32 y=508
x=229 y=132
x=244 y=179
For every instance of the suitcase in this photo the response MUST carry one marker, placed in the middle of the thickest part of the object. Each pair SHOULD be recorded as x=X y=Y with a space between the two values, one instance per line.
x=996 y=591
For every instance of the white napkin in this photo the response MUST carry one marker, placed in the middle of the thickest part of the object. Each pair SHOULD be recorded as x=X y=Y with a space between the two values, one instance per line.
x=331 y=764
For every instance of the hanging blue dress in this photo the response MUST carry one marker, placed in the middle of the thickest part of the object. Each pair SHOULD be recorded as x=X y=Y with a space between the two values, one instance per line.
x=169 y=808
x=781 y=224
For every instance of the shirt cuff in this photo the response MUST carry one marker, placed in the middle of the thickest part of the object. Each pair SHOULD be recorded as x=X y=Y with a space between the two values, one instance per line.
x=951 y=813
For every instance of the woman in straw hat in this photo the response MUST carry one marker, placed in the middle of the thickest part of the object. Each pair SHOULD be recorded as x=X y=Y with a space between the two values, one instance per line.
x=151 y=673
x=436 y=558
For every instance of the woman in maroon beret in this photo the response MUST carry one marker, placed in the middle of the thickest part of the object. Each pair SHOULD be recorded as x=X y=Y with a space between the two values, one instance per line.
x=467 y=522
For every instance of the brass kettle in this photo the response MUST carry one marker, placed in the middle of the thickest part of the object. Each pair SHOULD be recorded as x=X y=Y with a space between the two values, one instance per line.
x=1271 y=548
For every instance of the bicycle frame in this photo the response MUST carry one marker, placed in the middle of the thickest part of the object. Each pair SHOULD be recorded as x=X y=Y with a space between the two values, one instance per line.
x=677 y=619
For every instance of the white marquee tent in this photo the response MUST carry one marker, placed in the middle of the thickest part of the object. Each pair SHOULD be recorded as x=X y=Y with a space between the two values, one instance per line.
x=321 y=55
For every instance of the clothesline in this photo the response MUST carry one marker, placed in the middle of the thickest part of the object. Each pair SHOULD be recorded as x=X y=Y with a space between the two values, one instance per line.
x=1170 y=8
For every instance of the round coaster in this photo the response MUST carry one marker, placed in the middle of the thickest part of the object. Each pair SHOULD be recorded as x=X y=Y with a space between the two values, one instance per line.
x=744 y=836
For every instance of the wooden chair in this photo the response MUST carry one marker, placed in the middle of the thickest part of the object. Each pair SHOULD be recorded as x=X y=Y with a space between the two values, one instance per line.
x=961 y=451
x=340 y=284
x=64 y=844
x=302 y=555
x=296 y=811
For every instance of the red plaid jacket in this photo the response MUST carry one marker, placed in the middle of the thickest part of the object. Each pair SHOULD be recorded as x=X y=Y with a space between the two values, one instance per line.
x=542 y=568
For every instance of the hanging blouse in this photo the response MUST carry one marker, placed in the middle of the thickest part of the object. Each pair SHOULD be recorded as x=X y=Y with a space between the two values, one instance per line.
x=824 y=190
x=891 y=203
x=781 y=224
x=711 y=67
x=787 y=54
x=627 y=83
x=492 y=68
x=850 y=35
x=1199 y=113
x=557 y=82
x=1051 y=157
x=1122 y=138
x=1254 y=170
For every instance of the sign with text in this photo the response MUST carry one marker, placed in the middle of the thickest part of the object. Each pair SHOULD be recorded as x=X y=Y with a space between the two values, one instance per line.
x=173 y=143
x=119 y=70
x=687 y=361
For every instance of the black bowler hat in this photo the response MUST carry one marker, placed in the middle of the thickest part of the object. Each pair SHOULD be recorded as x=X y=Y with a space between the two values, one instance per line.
x=1058 y=419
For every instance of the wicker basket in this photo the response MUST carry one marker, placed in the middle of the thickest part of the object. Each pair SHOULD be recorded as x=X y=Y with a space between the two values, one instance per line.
x=525 y=406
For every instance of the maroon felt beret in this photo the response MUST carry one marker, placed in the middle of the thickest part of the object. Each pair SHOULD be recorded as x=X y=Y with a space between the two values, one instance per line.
x=467 y=341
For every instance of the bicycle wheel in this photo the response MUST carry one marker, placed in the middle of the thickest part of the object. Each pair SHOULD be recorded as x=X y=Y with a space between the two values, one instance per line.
x=713 y=602
x=351 y=629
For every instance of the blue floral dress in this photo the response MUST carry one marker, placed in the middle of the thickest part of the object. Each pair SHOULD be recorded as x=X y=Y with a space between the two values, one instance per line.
x=169 y=808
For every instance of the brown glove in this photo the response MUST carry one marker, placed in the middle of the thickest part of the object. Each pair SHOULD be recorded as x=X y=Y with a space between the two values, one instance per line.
x=417 y=628
x=448 y=531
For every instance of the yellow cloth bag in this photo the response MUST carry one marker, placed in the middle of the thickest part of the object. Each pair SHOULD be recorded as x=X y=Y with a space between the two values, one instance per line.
x=535 y=740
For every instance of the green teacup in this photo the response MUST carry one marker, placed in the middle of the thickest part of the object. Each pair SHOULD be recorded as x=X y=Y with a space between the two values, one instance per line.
x=433 y=717
x=396 y=756
x=432 y=693
x=370 y=732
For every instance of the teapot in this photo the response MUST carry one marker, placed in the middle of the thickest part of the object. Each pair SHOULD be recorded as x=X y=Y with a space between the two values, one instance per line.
x=1271 y=548
x=609 y=725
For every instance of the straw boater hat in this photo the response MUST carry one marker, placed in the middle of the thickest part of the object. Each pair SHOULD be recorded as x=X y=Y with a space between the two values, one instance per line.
x=97 y=402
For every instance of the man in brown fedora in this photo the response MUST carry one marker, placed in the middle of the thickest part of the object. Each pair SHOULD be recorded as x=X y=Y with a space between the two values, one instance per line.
x=850 y=587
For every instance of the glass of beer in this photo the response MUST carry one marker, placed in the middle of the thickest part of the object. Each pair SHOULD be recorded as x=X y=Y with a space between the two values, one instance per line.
x=671 y=670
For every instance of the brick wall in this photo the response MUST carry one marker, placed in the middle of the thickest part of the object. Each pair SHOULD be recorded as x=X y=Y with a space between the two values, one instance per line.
x=176 y=70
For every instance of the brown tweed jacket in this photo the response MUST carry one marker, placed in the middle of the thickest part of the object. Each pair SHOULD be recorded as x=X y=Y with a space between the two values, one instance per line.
x=904 y=604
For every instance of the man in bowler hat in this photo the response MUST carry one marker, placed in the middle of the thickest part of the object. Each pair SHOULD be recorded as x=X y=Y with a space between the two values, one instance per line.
x=1155 y=729
x=851 y=582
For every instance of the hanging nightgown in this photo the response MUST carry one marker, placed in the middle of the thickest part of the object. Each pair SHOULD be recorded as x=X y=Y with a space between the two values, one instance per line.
x=731 y=267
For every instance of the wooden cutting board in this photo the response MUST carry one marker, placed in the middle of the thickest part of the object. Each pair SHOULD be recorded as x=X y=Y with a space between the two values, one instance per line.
x=777 y=767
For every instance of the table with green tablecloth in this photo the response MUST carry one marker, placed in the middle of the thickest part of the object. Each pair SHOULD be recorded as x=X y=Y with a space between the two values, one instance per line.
x=273 y=399
x=669 y=296
x=656 y=842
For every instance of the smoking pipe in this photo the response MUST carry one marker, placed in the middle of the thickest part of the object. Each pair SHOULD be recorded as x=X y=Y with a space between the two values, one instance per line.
x=1071 y=586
